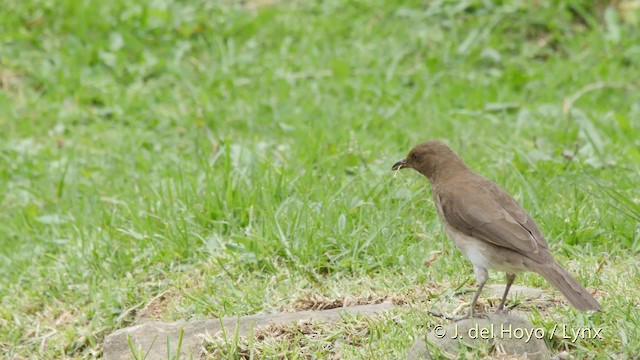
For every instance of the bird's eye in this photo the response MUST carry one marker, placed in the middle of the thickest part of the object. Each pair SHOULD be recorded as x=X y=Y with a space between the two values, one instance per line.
x=414 y=156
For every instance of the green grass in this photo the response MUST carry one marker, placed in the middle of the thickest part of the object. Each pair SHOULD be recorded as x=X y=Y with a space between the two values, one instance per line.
x=237 y=157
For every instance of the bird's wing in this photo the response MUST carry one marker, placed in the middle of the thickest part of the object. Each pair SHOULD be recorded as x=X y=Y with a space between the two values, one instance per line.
x=481 y=209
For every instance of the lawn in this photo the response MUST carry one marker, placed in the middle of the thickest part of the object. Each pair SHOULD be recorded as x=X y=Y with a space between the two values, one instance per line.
x=184 y=160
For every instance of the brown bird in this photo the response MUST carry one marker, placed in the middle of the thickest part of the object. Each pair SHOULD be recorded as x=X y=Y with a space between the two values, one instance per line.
x=488 y=226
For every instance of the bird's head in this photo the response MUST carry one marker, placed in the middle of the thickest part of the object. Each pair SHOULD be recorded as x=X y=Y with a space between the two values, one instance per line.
x=428 y=158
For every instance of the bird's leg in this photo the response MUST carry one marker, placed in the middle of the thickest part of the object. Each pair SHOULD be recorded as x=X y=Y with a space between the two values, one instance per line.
x=481 y=276
x=475 y=299
x=510 y=279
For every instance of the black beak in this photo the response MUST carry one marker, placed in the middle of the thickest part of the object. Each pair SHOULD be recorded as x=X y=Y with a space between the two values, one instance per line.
x=399 y=165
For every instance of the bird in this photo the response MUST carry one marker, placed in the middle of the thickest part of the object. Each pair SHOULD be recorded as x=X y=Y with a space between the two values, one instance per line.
x=488 y=226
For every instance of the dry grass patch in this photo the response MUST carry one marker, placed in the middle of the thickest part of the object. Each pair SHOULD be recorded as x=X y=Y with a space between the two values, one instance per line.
x=304 y=339
x=156 y=307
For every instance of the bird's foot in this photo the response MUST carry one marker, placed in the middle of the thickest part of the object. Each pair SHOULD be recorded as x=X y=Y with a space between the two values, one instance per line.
x=503 y=311
x=472 y=315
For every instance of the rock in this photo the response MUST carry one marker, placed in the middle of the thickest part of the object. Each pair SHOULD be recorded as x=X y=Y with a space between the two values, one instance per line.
x=419 y=351
x=562 y=355
x=153 y=338
x=496 y=335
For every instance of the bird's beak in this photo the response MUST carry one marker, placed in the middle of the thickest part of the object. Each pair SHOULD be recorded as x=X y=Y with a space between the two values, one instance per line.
x=399 y=165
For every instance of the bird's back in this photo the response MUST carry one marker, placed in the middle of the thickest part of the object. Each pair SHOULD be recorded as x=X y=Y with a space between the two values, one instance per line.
x=478 y=207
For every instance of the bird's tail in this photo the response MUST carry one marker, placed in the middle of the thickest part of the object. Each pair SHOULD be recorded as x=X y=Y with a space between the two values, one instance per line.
x=577 y=295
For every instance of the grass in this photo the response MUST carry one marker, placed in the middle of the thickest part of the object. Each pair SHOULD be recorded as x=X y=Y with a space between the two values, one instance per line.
x=235 y=157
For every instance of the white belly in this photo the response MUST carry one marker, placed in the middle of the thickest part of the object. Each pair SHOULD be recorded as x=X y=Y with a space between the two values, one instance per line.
x=487 y=256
